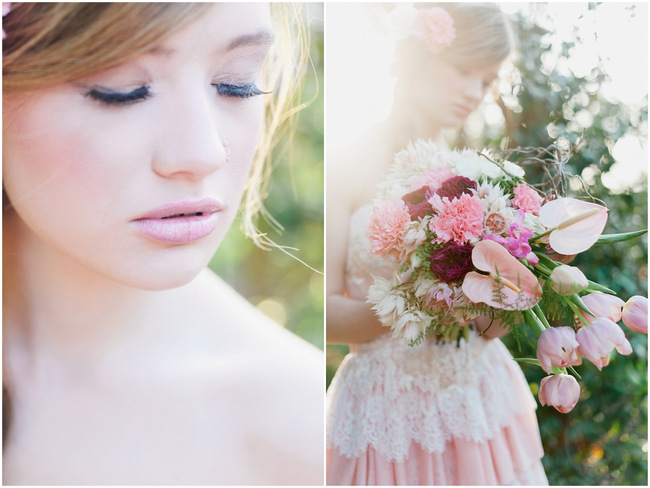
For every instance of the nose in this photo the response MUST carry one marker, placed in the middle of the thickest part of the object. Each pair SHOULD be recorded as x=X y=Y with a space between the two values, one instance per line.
x=474 y=90
x=191 y=145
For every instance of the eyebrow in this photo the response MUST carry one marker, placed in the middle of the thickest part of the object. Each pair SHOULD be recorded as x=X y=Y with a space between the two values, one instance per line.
x=261 y=38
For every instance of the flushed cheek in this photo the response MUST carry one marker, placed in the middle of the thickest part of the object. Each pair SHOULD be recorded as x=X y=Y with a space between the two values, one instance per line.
x=62 y=178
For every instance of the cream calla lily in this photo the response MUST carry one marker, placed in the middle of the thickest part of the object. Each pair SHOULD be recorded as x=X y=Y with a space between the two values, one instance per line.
x=576 y=225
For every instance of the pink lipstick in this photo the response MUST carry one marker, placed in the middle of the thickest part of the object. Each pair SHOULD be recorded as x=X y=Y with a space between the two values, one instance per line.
x=180 y=222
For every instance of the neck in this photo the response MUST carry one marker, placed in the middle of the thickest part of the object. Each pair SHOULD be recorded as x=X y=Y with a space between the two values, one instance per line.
x=56 y=308
x=409 y=122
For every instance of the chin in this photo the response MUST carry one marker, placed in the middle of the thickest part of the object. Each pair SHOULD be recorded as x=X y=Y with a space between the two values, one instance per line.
x=163 y=269
x=148 y=281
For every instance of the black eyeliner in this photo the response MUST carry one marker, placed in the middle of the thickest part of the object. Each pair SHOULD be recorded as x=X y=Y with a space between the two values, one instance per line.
x=119 y=98
x=239 y=91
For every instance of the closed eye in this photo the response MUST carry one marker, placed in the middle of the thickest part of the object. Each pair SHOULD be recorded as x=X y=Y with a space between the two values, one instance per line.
x=114 y=98
x=238 y=91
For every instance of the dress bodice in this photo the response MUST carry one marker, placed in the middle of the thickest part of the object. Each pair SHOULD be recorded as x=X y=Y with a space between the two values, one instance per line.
x=387 y=393
x=361 y=265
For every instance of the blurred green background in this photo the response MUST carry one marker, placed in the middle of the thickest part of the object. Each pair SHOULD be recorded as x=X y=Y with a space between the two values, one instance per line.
x=579 y=79
x=277 y=284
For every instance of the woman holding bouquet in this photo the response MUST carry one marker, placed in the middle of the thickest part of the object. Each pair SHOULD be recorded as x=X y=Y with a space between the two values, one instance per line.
x=130 y=131
x=436 y=413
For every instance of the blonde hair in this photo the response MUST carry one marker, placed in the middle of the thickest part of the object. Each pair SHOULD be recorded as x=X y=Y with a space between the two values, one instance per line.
x=483 y=37
x=50 y=43
x=483 y=34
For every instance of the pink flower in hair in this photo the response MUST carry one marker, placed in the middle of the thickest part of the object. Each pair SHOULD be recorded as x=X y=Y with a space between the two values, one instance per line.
x=6 y=8
x=438 y=28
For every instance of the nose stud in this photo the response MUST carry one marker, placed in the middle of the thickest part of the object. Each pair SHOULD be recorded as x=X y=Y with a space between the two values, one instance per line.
x=226 y=151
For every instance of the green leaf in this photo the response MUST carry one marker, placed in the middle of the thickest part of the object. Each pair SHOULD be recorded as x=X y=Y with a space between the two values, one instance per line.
x=625 y=236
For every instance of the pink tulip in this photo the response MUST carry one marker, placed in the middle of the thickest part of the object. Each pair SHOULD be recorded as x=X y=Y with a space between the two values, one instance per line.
x=561 y=391
x=558 y=347
x=598 y=339
x=509 y=284
x=577 y=224
x=567 y=280
x=602 y=305
x=635 y=314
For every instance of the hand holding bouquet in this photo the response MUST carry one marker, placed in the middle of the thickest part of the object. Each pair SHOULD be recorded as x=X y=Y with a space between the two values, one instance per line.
x=469 y=237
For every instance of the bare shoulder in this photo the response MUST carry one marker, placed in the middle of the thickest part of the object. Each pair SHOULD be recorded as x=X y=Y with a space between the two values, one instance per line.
x=276 y=382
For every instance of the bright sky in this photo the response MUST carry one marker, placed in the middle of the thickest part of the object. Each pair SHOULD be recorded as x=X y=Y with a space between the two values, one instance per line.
x=359 y=85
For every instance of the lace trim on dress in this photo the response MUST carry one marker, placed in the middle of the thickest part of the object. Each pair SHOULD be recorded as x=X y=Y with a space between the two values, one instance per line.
x=387 y=394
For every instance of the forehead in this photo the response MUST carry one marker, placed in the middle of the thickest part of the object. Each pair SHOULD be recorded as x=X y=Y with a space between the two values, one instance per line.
x=224 y=26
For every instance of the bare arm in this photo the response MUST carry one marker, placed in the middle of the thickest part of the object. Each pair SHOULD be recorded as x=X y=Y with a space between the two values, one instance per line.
x=348 y=320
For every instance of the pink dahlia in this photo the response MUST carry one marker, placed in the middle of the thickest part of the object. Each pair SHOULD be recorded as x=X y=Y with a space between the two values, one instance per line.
x=459 y=220
x=432 y=178
x=527 y=199
x=452 y=262
x=386 y=226
x=438 y=27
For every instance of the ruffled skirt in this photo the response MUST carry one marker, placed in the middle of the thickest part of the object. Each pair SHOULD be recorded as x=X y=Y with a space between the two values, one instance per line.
x=436 y=414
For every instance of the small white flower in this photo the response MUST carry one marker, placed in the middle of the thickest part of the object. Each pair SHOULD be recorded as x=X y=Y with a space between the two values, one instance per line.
x=492 y=196
x=513 y=169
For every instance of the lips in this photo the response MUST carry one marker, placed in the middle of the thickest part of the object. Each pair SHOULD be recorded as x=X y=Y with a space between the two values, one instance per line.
x=180 y=222
x=462 y=110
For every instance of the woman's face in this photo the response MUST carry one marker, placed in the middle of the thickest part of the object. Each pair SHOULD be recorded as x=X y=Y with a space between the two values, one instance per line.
x=137 y=172
x=448 y=93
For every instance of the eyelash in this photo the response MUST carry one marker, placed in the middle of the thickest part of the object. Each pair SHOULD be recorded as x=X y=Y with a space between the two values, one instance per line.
x=117 y=99
x=238 y=91
x=139 y=94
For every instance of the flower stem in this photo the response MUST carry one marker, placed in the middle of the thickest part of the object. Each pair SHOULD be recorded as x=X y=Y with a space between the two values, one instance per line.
x=535 y=238
x=527 y=361
x=576 y=311
x=533 y=322
x=540 y=314
x=574 y=372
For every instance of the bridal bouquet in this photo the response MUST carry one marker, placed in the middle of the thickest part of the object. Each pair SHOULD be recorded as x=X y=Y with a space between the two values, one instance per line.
x=469 y=237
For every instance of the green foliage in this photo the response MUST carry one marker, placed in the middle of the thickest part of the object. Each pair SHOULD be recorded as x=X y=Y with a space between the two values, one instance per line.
x=604 y=439
x=282 y=287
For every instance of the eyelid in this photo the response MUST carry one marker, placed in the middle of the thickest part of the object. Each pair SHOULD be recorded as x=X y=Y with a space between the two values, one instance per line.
x=239 y=90
x=114 y=98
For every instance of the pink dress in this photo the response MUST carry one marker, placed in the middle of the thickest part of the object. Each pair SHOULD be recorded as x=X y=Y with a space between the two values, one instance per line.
x=434 y=414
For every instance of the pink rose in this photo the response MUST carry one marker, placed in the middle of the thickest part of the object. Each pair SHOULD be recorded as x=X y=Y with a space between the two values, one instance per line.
x=527 y=199
x=417 y=203
x=456 y=186
x=386 y=226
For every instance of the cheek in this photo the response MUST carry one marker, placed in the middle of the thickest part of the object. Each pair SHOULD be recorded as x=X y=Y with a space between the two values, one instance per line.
x=56 y=167
x=242 y=140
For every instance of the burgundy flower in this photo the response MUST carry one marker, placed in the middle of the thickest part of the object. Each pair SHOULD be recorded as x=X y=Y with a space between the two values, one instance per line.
x=418 y=203
x=455 y=186
x=452 y=262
